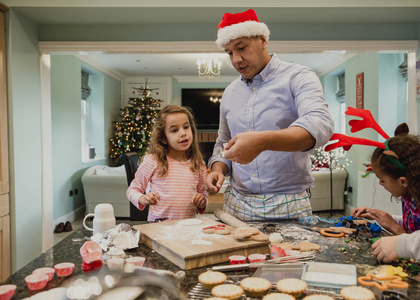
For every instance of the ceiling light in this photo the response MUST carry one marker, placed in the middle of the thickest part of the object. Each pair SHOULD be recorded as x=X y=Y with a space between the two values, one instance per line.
x=209 y=68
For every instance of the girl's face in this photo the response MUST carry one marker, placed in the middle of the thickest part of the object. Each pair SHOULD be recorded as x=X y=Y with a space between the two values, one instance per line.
x=397 y=187
x=178 y=134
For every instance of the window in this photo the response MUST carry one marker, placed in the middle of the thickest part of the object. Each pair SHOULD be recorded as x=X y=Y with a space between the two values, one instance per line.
x=87 y=153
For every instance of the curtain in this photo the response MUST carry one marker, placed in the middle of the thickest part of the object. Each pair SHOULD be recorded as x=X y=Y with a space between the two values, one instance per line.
x=85 y=85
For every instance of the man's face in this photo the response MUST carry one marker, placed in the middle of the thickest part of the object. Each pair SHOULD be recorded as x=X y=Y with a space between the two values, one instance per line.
x=248 y=55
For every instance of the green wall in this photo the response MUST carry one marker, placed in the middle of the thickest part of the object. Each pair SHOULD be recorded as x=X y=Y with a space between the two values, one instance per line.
x=105 y=100
x=24 y=107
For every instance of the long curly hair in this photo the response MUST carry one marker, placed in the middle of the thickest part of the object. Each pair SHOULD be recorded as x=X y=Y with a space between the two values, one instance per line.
x=160 y=149
x=407 y=147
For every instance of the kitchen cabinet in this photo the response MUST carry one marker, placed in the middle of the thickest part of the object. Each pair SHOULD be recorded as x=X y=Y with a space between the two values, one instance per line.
x=4 y=161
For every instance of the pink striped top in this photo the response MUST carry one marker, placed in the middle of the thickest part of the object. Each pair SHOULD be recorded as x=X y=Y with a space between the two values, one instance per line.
x=176 y=190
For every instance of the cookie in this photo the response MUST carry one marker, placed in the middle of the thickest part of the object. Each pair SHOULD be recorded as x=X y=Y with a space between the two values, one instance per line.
x=291 y=286
x=210 y=279
x=208 y=230
x=278 y=296
x=228 y=291
x=285 y=246
x=260 y=237
x=222 y=230
x=318 y=297
x=255 y=286
x=357 y=293
x=242 y=233
x=306 y=246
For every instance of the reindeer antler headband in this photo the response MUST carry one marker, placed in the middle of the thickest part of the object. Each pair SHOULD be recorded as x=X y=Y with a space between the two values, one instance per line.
x=341 y=140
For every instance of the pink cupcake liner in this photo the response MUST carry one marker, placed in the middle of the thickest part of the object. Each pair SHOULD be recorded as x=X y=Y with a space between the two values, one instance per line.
x=7 y=291
x=237 y=259
x=36 y=281
x=136 y=260
x=48 y=271
x=64 y=269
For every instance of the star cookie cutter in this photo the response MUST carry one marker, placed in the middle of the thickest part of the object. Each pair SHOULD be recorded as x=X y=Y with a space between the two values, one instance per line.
x=381 y=282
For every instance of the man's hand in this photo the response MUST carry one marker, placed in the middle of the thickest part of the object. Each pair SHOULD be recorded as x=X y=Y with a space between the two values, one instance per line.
x=244 y=147
x=385 y=249
x=214 y=182
x=199 y=200
x=150 y=198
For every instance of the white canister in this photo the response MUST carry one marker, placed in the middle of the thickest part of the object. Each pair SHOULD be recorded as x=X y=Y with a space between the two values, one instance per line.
x=103 y=218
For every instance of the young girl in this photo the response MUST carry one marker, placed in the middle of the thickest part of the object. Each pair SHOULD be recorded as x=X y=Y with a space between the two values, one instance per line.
x=174 y=167
x=398 y=169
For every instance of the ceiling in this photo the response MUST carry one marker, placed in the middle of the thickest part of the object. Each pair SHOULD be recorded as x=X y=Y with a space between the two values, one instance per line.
x=132 y=12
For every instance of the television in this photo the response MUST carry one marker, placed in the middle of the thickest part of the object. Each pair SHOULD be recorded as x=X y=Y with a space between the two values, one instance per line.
x=205 y=111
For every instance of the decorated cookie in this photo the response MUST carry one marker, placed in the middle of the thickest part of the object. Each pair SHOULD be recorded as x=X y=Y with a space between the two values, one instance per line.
x=228 y=291
x=210 y=279
x=255 y=286
x=318 y=297
x=291 y=286
x=357 y=293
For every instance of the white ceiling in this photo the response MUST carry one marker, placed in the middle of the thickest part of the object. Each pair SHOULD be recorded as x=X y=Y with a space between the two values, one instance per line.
x=132 y=12
x=185 y=64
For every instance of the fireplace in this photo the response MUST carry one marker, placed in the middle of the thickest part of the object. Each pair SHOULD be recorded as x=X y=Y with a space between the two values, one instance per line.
x=206 y=140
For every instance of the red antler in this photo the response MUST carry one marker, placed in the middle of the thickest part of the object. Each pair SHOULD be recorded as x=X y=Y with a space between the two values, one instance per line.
x=368 y=121
x=347 y=141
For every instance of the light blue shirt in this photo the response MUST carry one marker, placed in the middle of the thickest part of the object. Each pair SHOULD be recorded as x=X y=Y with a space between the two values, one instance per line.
x=282 y=95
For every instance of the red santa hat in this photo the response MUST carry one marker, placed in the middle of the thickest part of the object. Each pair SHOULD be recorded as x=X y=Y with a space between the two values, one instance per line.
x=243 y=24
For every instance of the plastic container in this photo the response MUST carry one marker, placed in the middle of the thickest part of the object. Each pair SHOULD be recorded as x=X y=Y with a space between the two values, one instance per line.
x=64 y=269
x=136 y=260
x=253 y=258
x=7 y=291
x=36 y=281
x=237 y=259
x=48 y=271
x=115 y=263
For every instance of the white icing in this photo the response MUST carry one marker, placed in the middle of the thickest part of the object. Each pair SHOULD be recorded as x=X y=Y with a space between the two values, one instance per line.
x=275 y=237
x=190 y=222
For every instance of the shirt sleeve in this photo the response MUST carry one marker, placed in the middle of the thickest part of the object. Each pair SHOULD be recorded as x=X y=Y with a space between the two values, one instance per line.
x=311 y=107
x=408 y=245
x=398 y=219
x=201 y=188
x=139 y=184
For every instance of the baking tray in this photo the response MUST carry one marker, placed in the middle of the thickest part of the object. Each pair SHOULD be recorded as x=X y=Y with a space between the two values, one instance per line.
x=329 y=275
x=275 y=272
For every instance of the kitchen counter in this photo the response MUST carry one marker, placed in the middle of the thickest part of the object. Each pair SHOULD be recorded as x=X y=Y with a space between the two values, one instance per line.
x=335 y=250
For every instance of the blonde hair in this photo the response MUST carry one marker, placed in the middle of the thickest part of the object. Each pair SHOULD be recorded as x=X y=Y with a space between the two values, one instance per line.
x=160 y=149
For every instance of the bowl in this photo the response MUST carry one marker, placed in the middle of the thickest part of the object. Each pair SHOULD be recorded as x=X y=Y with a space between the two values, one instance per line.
x=64 y=269
x=36 y=281
x=49 y=271
x=136 y=260
x=253 y=258
x=7 y=291
x=115 y=263
x=237 y=259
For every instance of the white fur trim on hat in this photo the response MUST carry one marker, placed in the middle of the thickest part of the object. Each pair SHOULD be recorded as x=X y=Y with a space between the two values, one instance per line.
x=244 y=29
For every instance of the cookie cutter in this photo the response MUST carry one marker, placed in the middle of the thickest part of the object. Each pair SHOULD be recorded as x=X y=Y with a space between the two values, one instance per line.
x=381 y=282
x=325 y=231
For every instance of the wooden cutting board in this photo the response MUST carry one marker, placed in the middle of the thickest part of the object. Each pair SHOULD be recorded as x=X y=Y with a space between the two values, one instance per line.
x=175 y=242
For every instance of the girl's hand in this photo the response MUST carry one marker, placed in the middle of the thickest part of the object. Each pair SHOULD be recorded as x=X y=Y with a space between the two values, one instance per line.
x=199 y=200
x=385 y=249
x=150 y=198
x=383 y=218
x=358 y=211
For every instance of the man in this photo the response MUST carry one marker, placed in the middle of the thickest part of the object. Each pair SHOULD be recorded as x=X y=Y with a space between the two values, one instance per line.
x=271 y=118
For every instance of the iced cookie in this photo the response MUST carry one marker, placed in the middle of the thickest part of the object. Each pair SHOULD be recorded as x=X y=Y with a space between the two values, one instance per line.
x=291 y=286
x=278 y=296
x=228 y=291
x=357 y=293
x=255 y=286
x=210 y=279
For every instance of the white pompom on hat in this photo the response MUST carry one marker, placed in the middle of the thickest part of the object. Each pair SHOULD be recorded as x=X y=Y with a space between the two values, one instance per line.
x=243 y=24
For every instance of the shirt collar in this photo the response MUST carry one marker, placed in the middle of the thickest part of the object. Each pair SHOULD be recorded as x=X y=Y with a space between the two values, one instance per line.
x=268 y=71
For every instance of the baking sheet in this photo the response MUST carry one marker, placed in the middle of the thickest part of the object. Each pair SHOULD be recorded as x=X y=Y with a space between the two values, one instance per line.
x=274 y=272
x=329 y=275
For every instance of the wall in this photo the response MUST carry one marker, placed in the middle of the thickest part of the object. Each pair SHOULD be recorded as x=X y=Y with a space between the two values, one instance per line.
x=205 y=84
x=24 y=101
x=66 y=136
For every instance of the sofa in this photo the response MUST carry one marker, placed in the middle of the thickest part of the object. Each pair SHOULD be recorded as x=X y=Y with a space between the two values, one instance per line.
x=103 y=184
x=321 y=193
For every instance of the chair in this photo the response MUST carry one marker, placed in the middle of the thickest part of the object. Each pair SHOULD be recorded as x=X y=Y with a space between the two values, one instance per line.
x=131 y=162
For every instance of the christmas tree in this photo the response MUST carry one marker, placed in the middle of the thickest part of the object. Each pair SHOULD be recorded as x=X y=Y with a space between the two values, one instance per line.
x=132 y=133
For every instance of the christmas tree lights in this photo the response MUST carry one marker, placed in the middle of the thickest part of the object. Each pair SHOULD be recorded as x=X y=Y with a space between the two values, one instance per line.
x=132 y=133
x=334 y=159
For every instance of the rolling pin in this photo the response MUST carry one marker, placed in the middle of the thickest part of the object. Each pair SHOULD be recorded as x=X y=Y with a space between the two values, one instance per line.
x=229 y=219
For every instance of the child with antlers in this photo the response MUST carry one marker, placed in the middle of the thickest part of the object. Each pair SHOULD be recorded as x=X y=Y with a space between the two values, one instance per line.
x=397 y=165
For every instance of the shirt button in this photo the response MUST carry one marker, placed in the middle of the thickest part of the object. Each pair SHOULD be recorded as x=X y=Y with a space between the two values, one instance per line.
x=254 y=88
x=253 y=175
x=250 y=108
x=250 y=129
